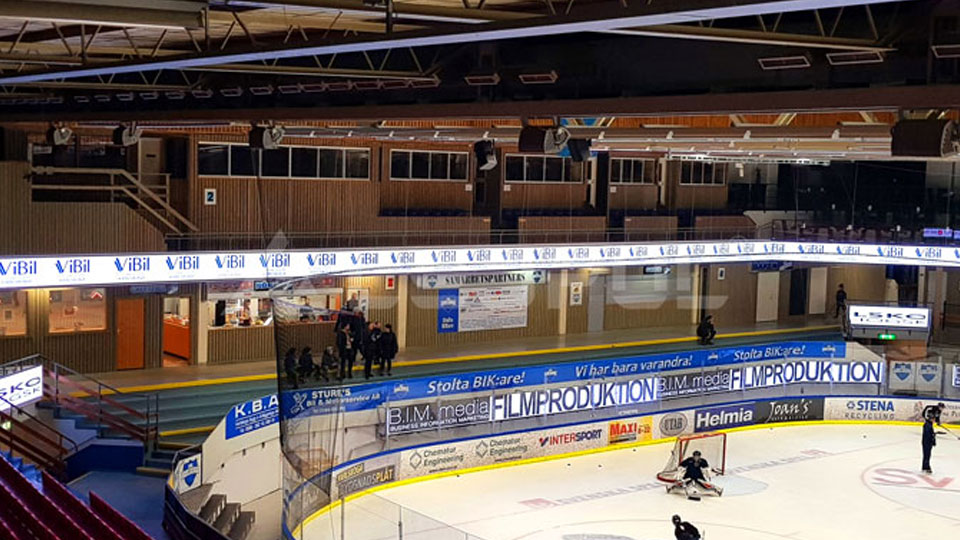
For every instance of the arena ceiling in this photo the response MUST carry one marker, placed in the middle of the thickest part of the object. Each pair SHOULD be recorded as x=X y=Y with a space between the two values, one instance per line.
x=810 y=79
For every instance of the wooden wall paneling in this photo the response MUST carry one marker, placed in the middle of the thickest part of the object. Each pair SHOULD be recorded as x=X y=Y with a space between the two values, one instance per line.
x=645 y=228
x=383 y=303
x=532 y=195
x=435 y=230
x=864 y=283
x=422 y=320
x=536 y=229
x=687 y=196
x=633 y=197
x=15 y=223
x=725 y=226
x=733 y=300
x=665 y=302
x=237 y=345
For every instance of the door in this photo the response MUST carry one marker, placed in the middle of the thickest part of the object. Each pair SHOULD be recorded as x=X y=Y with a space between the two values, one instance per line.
x=768 y=296
x=799 y=281
x=596 y=302
x=130 y=340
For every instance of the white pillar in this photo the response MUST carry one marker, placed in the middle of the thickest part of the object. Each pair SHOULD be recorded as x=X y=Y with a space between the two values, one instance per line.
x=402 y=301
x=564 y=300
x=202 y=327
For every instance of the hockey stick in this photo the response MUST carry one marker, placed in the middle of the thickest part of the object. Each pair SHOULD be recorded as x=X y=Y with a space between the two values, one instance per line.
x=950 y=431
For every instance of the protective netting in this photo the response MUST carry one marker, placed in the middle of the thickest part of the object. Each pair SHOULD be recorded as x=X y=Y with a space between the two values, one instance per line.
x=712 y=447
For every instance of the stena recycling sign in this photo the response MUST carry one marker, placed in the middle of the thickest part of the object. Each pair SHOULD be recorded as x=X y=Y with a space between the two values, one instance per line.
x=889 y=317
x=127 y=269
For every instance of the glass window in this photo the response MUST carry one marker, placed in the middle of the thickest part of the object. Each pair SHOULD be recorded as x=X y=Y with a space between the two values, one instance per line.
x=212 y=159
x=514 y=168
x=303 y=162
x=13 y=313
x=276 y=162
x=358 y=164
x=331 y=163
x=399 y=164
x=534 y=169
x=421 y=165
x=243 y=161
x=439 y=166
x=77 y=310
x=554 y=169
x=458 y=166
x=649 y=172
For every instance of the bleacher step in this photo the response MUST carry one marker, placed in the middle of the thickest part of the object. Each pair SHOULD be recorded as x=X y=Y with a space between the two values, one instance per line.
x=214 y=505
x=153 y=471
x=227 y=517
x=242 y=526
x=194 y=499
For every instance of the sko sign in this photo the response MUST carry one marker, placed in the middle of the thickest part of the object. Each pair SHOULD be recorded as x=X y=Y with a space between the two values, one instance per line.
x=889 y=317
x=21 y=388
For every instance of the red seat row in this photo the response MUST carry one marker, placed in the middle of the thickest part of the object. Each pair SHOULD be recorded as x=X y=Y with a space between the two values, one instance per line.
x=64 y=516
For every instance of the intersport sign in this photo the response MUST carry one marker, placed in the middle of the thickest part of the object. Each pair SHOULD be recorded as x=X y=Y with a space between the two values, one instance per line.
x=889 y=317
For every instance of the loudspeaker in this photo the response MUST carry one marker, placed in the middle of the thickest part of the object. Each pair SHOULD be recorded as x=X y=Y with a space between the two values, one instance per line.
x=924 y=138
x=265 y=138
x=579 y=149
x=126 y=136
x=486 y=155
x=531 y=140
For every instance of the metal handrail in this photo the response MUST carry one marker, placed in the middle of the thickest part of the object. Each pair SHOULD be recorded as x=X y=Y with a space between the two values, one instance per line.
x=38 y=447
x=58 y=373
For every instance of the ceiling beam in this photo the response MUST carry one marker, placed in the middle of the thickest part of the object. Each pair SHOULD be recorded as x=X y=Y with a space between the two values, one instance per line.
x=16 y=58
x=297 y=71
x=887 y=99
x=597 y=19
x=90 y=13
x=413 y=11
x=77 y=85
x=755 y=37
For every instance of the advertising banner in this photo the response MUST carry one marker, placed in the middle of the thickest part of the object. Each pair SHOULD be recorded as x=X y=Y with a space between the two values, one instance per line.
x=252 y=415
x=788 y=410
x=492 y=308
x=21 y=388
x=672 y=424
x=729 y=416
x=929 y=377
x=436 y=415
x=454 y=281
x=902 y=376
x=956 y=375
x=448 y=311
x=370 y=473
x=870 y=409
x=632 y=430
x=888 y=317
x=372 y=395
x=187 y=473
x=127 y=269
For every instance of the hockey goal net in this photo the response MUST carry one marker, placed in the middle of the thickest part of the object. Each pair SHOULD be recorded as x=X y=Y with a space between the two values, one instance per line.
x=712 y=447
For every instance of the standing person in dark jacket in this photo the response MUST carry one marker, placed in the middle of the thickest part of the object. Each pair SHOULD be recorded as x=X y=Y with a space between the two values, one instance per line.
x=345 y=346
x=928 y=441
x=841 y=301
x=388 y=349
x=370 y=348
x=684 y=530
x=933 y=412
x=290 y=366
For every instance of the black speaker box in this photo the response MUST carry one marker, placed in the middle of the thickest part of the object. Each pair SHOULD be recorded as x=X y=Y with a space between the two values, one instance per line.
x=579 y=149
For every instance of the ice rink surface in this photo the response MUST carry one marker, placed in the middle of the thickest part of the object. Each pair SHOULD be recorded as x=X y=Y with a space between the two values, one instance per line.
x=818 y=482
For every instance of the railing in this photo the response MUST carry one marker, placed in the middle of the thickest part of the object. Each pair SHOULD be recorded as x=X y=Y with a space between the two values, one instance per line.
x=122 y=181
x=62 y=387
x=37 y=441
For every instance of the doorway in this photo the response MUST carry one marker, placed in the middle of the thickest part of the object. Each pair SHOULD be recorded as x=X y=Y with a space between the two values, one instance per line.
x=129 y=333
x=799 y=283
x=177 y=337
x=596 y=302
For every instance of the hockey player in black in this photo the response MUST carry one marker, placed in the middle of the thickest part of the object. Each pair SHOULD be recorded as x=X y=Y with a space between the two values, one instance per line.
x=693 y=468
x=927 y=442
x=933 y=412
x=683 y=530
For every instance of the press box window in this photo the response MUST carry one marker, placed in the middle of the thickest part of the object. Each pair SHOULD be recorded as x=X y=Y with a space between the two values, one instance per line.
x=632 y=171
x=540 y=169
x=213 y=159
x=417 y=165
x=13 y=313
x=699 y=173
x=77 y=310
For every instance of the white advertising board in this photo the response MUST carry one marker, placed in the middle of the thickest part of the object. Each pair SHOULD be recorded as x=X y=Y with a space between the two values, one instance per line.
x=887 y=409
x=903 y=376
x=493 y=308
x=21 y=388
x=956 y=375
x=888 y=317
x=453 y=281
x=188 y=474
x=929 y=377
x=129 y=269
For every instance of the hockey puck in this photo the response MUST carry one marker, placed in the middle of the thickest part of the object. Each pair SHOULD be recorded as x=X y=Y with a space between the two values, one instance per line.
x=693 y=498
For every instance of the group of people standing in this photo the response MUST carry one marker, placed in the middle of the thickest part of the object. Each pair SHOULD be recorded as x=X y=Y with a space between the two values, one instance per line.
x=375 y=343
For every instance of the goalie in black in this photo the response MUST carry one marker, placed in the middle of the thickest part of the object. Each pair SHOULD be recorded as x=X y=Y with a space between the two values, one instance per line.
x=695 y=470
